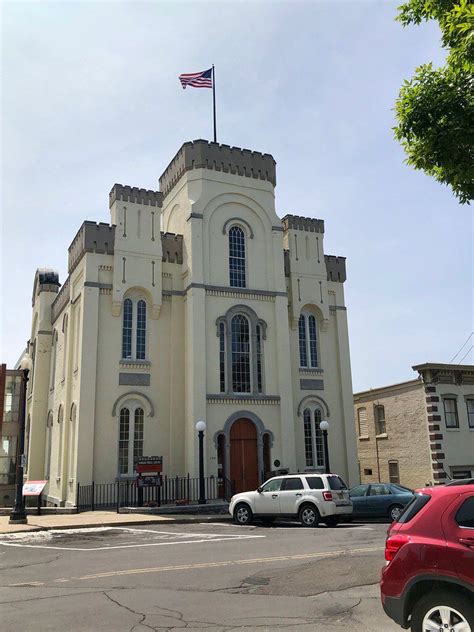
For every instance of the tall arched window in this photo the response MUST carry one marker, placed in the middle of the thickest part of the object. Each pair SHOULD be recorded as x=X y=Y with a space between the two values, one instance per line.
x=65 y=332
x=59 y=462
x=237 y=257
x=308 y=341
x=241 y=381
x=222 y=357
x=259 y=359
x=72 y=443
x=313 y=438
x=54 y=354
x=134 y=324
x=48 y=443
x=131 y=430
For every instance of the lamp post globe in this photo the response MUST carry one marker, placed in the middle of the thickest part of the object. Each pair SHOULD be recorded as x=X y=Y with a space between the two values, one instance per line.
x=18 y=514
x=201 y=427
x=324 y=427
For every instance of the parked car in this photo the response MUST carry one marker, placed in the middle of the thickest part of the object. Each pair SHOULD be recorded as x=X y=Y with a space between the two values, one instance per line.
x=428 y=581
x=379 y=500
x=311 y=498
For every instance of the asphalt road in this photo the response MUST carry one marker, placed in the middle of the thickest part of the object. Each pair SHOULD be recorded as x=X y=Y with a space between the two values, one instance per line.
x=217 y=577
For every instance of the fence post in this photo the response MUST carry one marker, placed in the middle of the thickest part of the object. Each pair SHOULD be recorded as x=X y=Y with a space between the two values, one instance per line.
x=188 y=489
x=77 y=498
x=93 y=499
x=118 y=496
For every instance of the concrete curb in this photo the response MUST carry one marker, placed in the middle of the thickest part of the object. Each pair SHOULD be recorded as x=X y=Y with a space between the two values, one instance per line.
x=122 y=523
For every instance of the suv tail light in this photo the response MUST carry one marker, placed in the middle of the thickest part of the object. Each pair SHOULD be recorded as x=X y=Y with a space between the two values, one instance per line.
x=327 y=495
x=393 y=544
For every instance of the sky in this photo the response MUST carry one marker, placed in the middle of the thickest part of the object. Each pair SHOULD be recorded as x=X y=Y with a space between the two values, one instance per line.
x=90 y=96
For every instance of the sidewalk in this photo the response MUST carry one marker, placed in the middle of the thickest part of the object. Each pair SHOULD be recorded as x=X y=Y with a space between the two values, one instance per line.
x=102 y=519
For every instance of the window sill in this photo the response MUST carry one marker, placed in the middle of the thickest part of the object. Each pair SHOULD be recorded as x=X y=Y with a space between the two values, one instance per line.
x=458 y=429
x=135 y=363
x=383 y=435
x=364 y=438
x=311 y=371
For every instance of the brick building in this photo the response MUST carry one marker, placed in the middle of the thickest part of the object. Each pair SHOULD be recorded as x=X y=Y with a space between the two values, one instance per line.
x=10 y=384
x=418 y=432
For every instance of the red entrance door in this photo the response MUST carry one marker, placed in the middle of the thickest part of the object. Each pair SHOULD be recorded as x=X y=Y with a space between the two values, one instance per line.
x=243 y=455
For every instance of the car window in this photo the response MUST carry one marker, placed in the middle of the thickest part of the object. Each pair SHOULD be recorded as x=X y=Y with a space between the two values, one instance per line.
x=315 y=482
x=272 y=486
x=379 y=490
x=336 y=483
x=402 y=489
x=291 y=483
x=414 y=506
x=465 y=514
x=360 y=490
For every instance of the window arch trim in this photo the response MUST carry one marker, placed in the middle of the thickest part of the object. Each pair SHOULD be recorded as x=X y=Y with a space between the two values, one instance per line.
x=145 y=401
x=241 y=223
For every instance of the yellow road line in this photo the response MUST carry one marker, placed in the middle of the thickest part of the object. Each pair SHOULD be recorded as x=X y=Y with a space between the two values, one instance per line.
x=259 y=560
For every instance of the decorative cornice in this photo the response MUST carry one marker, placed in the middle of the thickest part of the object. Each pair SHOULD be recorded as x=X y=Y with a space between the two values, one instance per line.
x=243 y=399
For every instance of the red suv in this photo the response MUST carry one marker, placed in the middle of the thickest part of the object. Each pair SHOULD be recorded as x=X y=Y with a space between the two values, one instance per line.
x=428 y=581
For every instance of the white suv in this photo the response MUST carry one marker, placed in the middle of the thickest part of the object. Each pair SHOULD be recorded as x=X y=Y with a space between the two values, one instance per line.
x=309 y=497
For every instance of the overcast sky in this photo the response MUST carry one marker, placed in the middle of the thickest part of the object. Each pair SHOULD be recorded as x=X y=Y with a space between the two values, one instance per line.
x=90 y=97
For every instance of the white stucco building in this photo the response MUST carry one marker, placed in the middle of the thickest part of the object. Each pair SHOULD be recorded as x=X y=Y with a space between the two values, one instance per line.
x=195 y=302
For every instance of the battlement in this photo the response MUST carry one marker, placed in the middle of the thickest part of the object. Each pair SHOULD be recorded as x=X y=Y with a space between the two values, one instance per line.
x=296 y=222
x=336 y=268
x=121 y=193
x=46 y=280
x=61 y=300
x=172 y=246
x=91 y=237
x=202 y=154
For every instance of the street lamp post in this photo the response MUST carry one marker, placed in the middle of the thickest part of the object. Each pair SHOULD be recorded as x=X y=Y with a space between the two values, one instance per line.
x=324 y=426
x=18 y=514
x=200 y=427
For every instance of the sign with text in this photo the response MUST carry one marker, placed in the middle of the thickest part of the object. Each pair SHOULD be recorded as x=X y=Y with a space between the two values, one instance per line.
x=148 y=481
x=33 y=488
x=149 y=464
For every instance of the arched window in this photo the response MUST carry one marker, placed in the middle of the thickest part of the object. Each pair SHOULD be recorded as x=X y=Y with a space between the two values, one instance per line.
x=54 y=353
x=313 y=438
x=65 y=331
x=308 y=341
x=131 y=431
x=222 y=357
x=259 y=354
x=72 y=443
x=134 y=323
x=60 y=442
x=237 y=257
x=241 y=382
x=48 y=443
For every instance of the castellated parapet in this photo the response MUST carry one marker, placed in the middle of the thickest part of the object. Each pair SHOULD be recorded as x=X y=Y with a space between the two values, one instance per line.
x=172 y=247
x=121 y=193
x=336 y=268
x=202 y=154
x=297 y=222
x=91 y=237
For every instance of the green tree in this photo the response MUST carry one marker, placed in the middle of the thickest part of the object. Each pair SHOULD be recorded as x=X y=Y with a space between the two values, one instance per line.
x=435 y=109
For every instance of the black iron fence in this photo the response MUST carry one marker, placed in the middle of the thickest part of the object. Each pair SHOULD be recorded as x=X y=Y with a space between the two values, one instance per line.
x=126 y=493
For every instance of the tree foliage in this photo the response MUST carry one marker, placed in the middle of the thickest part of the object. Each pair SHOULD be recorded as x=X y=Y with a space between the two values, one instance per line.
x=435 y=109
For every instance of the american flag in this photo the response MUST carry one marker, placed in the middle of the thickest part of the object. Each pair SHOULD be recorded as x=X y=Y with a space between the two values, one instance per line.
x=201 y=79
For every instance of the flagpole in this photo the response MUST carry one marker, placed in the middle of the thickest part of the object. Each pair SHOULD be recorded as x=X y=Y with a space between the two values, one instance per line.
x=214 y=100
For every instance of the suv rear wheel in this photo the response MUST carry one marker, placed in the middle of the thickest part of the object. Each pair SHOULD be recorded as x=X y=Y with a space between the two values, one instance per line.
x=309 y=515
x=443 y=610
x=243 y=514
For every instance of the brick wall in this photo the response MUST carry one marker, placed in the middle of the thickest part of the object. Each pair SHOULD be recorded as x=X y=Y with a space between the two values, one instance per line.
x=406 y=439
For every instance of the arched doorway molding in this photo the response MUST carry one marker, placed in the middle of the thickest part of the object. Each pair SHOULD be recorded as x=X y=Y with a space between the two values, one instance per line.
x=261 y=432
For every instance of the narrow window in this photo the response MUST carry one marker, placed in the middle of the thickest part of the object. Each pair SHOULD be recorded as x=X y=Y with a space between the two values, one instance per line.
x=318 y=438
x=451 y=412
x=237 y=257
x=124 y=440
x=302 y=341
x=222 y=356
x=313 y=343
x=308 y=438
x=259 y=360
x=54 y=353
x=127 y=329
x=141 y=330
x=380 y=427
x=393 y=472
x=60 y=443
x=240 y=354
x=65 y=327
x=137 y=436
x=362 y=422
x=470 y=412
